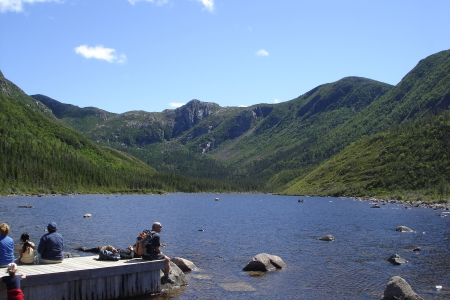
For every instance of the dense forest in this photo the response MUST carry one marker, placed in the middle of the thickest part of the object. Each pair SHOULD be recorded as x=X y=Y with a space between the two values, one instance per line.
x=353 y=137
x=409 y=161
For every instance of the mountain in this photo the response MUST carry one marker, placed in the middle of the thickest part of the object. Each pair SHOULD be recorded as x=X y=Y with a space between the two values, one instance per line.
x=409 y=161
x=270 y=147
x=246 y=145
x=40 y=155
x=9 y=89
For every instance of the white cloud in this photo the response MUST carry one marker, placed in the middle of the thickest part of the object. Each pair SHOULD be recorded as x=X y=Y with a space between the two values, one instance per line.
x=102 y=53
x=242 y=105
x=208 y=4
x=175 y=104
x=157 y=2
x=276 y=100
x=262 y=52
x=17 y=5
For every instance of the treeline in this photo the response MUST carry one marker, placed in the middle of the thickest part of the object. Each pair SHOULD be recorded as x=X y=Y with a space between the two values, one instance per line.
x=410 y=161
x=41 y=156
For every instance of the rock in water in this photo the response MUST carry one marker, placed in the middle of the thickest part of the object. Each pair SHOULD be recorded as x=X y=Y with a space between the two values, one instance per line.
x=397 y=260
x=403 y=229
x=265 y=262
x=327 y=238
x=184 y=264
x=176 y=275
x=398 y=288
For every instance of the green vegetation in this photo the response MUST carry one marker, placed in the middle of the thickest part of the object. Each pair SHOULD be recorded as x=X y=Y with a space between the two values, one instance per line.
x=354 y=137
x=38 y=155
x=408 y=162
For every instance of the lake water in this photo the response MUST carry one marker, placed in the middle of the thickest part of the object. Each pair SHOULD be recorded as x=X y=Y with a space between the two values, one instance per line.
x=238 y=227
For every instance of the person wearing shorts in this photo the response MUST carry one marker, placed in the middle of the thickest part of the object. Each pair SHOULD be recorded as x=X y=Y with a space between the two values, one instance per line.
x=156 y=253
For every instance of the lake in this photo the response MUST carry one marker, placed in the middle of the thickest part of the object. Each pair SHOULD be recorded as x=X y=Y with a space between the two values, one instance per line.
x=240 y=226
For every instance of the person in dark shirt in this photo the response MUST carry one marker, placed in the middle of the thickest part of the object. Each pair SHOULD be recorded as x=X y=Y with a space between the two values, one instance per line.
x=51 y=246
x=13 y=283
x=156 y=253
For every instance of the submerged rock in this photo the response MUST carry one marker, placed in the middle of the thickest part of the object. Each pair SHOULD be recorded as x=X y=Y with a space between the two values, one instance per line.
x=397 y=260
x=265 y=262
x=327 y=238
x=403 y=229
x=398 y=288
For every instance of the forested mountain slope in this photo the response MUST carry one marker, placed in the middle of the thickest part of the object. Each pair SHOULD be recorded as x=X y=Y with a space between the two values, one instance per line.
x=267 y=147
x=424 y=91
x=410 y=161
x=39 y=155
x=204 y=140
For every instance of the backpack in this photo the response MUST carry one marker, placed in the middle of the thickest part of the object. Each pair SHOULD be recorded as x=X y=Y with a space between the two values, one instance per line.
x=143 y=244
x=108 y=255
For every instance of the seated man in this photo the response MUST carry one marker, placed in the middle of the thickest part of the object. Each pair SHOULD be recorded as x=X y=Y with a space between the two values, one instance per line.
x=156 y=254
x=51 y=246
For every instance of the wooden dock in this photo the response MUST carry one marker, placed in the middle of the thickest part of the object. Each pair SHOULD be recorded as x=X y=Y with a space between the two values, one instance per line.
x=86 y=278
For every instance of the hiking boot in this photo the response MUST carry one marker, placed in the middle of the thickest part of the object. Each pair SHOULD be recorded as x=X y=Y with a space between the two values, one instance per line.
x=165 y=280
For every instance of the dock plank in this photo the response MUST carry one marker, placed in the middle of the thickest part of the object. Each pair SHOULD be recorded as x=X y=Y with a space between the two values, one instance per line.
x=86 y=277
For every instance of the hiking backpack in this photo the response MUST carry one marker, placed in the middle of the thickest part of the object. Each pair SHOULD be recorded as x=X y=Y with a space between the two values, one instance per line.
x=143 y=244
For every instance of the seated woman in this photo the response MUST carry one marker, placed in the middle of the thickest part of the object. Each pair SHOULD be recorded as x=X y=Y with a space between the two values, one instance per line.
x=6 y=246
x=26 y=249
x=127 y=253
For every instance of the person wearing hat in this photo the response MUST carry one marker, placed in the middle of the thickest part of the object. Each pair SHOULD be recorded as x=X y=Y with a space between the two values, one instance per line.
x=51 y=246
x=13 y=283
x=6 y=246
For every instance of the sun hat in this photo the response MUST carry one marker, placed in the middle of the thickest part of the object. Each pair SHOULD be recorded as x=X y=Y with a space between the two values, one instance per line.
x=51 y=226
x=12 y=267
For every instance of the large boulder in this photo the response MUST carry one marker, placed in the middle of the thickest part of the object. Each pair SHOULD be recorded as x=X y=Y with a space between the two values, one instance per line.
x=397 y=260
x=403 y=229
x=398 y=288
x=184 y=264
x=328 y=238
x=176 y=275
x=265 y=262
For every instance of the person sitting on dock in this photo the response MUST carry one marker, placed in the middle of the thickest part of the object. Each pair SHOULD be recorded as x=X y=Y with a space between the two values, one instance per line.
x=6 y=246
x=26 y=249
x=127 y=253
x=156 y=253
x=51 y=246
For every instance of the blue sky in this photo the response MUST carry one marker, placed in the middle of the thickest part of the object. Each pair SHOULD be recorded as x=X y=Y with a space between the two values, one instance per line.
x=151 y=55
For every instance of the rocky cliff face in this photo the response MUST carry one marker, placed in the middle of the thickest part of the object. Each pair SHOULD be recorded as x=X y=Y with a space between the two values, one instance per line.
x=190 y=114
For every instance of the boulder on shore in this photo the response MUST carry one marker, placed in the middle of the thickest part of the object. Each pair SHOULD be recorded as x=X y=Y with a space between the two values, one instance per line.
x=398 y=288
x=327 y=238
x=403 y=229
x=397 y=260
x=176 y=275
x=184 y=264
x=265 y=262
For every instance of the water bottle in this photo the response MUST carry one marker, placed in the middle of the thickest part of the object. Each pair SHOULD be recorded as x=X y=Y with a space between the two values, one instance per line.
x=36 y=260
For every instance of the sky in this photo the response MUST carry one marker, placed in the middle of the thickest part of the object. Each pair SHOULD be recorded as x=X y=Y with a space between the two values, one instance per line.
x=152 y=55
